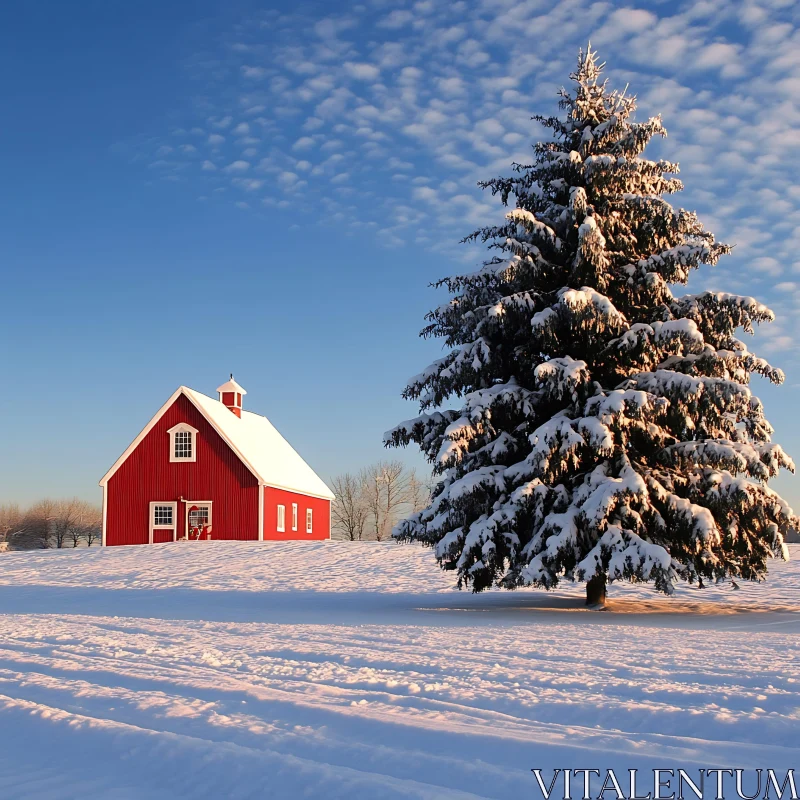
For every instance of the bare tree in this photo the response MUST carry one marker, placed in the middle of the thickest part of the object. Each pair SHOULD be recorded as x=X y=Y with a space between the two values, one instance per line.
x=349 y=510
x=418 y=492
x=76 y=520
x=93 y=525
x=385 y=489
x=10 y=520
x=65 y=520
x=36 y=527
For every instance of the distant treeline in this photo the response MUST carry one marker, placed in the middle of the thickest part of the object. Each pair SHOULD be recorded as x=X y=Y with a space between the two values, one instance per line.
x=50 y=524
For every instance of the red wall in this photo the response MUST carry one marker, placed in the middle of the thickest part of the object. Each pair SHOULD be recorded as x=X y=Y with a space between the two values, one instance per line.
x=321 y=511
x=147 y=474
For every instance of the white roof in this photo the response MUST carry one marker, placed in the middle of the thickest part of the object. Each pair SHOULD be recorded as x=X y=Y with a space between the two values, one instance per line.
x=231 y=386
x=254 y=439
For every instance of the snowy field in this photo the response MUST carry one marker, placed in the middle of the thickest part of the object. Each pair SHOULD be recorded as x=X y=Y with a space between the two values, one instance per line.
x=338 y=670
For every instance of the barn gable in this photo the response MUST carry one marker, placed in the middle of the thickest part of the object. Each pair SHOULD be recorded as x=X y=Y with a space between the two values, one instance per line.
x=148 y=475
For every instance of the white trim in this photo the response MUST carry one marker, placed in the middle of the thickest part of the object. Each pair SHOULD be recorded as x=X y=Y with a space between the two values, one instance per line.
x=231 y=387
x=182 y=427
x=261 y=512
x=280 y=523
x=184 y=390
x=296 y=491
x=105 y=516
x=189 y=503
x=151 y=522
x=309 y=520
x=147 y=428
x=294 y=516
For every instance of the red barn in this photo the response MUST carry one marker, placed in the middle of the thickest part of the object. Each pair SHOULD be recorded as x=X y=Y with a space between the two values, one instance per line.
x=206 y=469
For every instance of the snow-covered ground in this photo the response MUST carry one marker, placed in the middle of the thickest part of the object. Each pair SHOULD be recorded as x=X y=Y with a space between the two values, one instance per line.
x=338 y=670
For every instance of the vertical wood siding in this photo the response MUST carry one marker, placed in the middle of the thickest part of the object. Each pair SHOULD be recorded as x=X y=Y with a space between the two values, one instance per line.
x=321 y=515
x=148 y=475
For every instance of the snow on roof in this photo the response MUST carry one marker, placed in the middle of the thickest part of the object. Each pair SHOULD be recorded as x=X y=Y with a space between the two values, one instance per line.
x=273 y=460
x=231 y=386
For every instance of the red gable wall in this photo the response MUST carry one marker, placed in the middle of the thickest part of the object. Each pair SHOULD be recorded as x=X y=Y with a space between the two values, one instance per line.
x=147 y=475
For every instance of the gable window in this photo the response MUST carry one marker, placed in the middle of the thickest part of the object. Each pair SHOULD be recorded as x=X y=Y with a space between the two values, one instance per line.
x=182 y=443
x=281 y=519
x=294 y=516
x=309 y=521
x=163 y=516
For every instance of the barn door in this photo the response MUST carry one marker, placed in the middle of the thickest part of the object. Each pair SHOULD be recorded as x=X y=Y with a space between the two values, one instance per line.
x=198 y=520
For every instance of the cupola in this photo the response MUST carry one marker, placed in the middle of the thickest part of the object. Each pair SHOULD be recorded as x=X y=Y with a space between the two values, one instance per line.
x=230 y=395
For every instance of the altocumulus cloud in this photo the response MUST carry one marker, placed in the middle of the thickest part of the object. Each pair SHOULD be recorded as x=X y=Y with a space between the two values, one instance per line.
x=444 y=91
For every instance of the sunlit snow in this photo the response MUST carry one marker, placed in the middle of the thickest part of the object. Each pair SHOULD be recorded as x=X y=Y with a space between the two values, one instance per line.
x=339 y=670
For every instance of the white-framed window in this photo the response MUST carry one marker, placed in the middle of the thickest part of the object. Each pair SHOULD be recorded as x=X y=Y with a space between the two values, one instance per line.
x=309 y=520
x=163 y=517
x=182 y=443
x=281 y=519
x=294 y=516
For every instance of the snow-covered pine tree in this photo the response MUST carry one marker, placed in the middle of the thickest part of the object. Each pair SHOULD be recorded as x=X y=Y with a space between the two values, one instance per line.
x=606 y=431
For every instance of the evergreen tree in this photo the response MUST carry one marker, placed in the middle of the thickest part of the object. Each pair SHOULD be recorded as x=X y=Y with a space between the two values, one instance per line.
x=607 y=430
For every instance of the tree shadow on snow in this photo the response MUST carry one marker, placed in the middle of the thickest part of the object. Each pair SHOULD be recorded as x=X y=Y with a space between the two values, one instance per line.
x=444 y=609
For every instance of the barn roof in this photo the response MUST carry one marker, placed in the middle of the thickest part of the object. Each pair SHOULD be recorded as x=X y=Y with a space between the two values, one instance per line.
x=274 y=461
x=254 y=439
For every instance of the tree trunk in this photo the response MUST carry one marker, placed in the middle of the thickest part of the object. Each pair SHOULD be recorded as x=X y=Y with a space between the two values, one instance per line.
x=596 y=591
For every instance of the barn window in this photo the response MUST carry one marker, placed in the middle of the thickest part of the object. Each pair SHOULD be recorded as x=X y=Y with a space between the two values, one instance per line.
x=163 y=515
x=182 y=443
x=281 y=519
x=309 y=521
x=162 y=520
x=294 y=516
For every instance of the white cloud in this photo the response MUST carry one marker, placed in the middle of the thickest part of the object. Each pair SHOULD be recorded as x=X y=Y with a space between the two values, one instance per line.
x=209 y=166
x=303 y=143
x=425 y=193
x=248 y=184
x=331 y=27
x=396 y=19
x=253 y=73
x=767 y=264
x=362 y=71
x=216 y=139
x=238 y=166
x=287 y=178
x=242 y=129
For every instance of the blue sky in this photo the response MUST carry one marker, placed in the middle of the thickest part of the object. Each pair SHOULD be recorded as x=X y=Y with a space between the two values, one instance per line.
x=195 y=188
